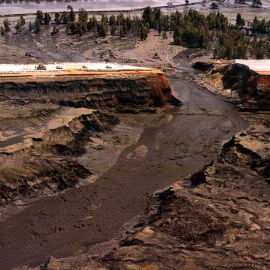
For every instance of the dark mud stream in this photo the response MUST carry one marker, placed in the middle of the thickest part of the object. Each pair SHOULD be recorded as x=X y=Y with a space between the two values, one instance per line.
x=61 y=225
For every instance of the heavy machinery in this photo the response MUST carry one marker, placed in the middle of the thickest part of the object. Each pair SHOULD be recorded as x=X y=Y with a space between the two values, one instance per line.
x=40 y=67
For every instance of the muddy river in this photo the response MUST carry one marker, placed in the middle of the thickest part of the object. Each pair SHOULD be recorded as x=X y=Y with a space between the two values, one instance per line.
x=61 y=225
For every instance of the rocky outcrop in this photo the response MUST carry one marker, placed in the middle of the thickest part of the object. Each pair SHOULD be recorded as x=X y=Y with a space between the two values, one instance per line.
x=219 y=221
x=92 y=91
x=203 y=65
x=47 y=164
x=248 y=88
x=252 y=88
x=30 y=175
x=70 y=139
x=48 y=167
x=215 y=219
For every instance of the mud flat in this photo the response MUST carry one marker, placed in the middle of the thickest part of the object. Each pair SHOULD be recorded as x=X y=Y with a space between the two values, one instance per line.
x=185 y=140
x=14 y=140
x=217 y=218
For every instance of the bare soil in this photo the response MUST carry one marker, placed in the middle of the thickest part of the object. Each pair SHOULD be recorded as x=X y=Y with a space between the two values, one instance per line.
x=151 y=151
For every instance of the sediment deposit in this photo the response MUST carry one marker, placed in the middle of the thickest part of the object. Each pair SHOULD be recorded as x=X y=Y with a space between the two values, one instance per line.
x=46 y=166
x=216 y=219
x=169 y=148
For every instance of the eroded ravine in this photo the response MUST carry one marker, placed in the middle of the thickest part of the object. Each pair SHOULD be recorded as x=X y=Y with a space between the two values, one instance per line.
x=61 y=225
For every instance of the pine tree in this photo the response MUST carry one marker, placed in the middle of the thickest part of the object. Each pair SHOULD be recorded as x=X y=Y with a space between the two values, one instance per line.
x=64 y=17
x=39 y=16
x=22 y=19
x=239 y=20
x=57 y=16
x=214 y=5
x=6 y=25
x=143 y=33
x=18 y=26
x=72 y=15
x=54 y=31
x=83 y=15
x=36 y=26
x=47 y=18
x=31 y=26
x=177 y=38
x=3 y=32
x=113 y=30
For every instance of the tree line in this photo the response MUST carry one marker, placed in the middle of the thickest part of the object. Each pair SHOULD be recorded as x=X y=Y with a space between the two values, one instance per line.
x=190 y=29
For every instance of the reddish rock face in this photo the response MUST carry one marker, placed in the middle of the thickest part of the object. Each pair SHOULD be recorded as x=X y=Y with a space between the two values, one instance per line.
x=135 y=88
x=252 y=87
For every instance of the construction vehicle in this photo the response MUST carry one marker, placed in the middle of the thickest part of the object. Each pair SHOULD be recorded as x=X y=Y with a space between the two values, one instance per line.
x=40 y=67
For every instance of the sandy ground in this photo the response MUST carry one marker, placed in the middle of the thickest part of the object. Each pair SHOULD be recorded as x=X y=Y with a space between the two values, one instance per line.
x=156 y=52
x=143 y=52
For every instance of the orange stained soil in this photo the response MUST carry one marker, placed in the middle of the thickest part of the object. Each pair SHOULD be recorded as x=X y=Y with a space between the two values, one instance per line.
x=76 y=72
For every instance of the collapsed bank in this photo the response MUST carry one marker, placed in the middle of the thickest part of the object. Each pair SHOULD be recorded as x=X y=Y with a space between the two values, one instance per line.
x=48 y=113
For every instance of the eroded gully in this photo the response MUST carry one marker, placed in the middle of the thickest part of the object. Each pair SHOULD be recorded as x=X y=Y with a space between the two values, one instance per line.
x=61 y=225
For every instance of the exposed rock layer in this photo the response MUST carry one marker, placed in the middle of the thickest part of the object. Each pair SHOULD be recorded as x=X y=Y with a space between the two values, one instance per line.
x=92 y=91
x=45 y=167
x=250 y=89
x=217 y=219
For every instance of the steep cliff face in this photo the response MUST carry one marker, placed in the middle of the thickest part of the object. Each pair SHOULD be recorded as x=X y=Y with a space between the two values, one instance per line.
x=70 y=139
x=253 y=88
x=92 y=91
x=249 y=88
x=46 y=165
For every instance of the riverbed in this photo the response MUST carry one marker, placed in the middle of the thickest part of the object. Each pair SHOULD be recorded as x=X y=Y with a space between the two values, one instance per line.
x=165 y=153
